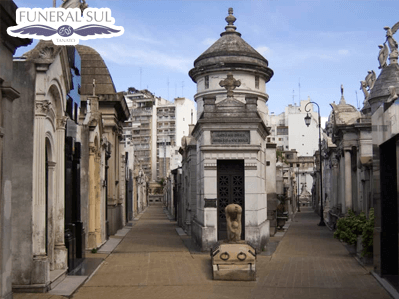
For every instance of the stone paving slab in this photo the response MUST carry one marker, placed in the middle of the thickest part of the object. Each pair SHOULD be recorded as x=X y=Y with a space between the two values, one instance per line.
x=110 y=245
x=153 y=262
x=68 y=285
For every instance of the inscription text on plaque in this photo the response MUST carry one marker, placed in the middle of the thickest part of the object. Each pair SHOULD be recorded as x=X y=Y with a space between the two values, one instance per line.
x=230 y=137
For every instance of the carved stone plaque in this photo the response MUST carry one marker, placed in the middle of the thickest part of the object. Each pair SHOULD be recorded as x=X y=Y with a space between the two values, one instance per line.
x=230 y=137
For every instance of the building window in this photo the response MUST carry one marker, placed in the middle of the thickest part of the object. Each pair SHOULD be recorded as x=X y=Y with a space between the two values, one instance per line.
x=183 y=119
x=257 y=82
x=268 y=139
x=282 y=130
x=267 y=163
x=286 y=146
x=206 y=82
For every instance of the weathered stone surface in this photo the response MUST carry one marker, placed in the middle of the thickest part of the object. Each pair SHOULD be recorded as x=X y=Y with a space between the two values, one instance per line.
x=234 y=261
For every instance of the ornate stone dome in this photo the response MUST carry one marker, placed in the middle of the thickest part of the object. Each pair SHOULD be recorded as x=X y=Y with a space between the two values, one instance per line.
x=230 y=50
x=389 y=76
x=94 y=67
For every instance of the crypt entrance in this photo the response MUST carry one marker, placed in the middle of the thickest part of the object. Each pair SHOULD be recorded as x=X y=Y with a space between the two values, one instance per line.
x=230 y=189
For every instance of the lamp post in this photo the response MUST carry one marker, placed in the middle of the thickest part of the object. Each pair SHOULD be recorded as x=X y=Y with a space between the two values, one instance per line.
x=308 y=120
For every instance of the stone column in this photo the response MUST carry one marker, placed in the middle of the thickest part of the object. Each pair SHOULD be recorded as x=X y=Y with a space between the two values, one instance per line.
x=348 y=181
x=60 y=251
x=334 y=187
x=51 y=218
x=39 y=179
x=7 y=95
x=41 y=270
x=92 y=243
x=98 y=205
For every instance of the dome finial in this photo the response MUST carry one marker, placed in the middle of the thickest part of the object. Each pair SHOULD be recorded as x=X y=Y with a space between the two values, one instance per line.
x=230 y=19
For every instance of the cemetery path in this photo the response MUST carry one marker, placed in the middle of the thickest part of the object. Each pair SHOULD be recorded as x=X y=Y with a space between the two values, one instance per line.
x=153 y=262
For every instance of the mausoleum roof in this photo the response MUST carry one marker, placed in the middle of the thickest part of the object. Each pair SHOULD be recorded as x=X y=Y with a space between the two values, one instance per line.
x=344 y=114
x=231 y=50
x=389 y=76
x=94 y=67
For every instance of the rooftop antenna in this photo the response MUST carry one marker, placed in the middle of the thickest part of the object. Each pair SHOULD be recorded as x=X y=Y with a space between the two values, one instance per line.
x=293 y=96
x=299 y=86
x=54 y=3
x=357 y=101
x=182 y=88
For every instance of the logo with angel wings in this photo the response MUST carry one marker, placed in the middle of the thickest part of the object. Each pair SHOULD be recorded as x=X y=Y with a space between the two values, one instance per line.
x=65 y=26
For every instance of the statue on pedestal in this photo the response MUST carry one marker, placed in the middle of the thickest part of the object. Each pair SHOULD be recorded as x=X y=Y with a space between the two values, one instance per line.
x=383 y=55
x=233 y=218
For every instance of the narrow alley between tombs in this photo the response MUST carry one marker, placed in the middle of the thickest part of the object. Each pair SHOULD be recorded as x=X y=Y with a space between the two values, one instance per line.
x=153 y=262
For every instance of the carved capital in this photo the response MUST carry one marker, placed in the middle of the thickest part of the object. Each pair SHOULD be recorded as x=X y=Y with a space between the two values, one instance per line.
x=61 y=122
x=92 y=150
x=46 y=53
x=43 y=107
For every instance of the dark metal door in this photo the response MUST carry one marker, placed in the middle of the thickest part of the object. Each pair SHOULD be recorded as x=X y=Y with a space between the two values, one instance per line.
x=230 y=188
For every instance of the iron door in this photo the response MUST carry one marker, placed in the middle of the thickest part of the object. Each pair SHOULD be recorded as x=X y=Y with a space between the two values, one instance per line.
x=230 y=188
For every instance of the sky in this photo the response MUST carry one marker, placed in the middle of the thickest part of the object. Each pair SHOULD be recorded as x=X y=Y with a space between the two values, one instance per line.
x=312 y=46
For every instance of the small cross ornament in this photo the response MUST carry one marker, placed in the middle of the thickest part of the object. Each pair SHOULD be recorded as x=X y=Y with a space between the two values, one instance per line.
x=230 y=84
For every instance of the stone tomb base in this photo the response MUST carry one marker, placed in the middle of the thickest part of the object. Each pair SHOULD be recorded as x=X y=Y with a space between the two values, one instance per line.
x=233 y=261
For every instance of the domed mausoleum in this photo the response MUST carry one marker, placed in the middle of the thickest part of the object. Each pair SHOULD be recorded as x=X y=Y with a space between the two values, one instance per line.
x=230 y=53
x=224 y=161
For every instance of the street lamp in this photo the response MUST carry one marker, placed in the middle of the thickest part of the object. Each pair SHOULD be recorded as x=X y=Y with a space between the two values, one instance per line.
x=308 y=120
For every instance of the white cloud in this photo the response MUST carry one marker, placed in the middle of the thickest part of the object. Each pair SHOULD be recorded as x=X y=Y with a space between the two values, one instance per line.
x=209 y=41
x=343 y=52
x=124 y=55
x=263 y=50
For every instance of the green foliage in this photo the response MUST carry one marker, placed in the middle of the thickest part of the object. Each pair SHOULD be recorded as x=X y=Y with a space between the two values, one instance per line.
x=350 y=227
x=367 y=235
x=94 y=250
x=280 y=157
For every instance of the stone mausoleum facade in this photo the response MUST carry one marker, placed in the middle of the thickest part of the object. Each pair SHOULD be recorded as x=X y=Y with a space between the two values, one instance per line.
x=227 y=147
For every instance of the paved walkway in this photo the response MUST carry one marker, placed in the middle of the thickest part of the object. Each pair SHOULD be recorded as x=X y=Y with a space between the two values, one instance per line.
x=153 y=262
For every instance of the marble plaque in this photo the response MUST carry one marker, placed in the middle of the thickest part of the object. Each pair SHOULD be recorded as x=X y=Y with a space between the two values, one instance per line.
x=230 y=137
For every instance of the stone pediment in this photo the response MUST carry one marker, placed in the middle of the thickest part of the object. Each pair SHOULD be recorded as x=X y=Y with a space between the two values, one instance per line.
x=230 y=103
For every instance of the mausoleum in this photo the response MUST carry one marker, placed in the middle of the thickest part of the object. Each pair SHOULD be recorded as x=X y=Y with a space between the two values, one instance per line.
x=230 y=140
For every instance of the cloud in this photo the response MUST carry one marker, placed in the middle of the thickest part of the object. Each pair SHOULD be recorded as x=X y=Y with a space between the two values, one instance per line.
x=263 y=50
x=209 y=41
x=343 y=52
x=139 y=38
x=125 y=55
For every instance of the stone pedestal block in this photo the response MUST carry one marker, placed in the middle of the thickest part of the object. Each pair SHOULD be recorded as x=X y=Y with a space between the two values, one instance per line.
x=41 y=271
x=60 y=257
x=234 y=261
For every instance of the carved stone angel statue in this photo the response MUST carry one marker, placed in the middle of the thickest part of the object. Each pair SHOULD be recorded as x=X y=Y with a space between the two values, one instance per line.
x=363 y=86
x=74 y=4
x=370 y=79
x=383 y=55
x=392 y=43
